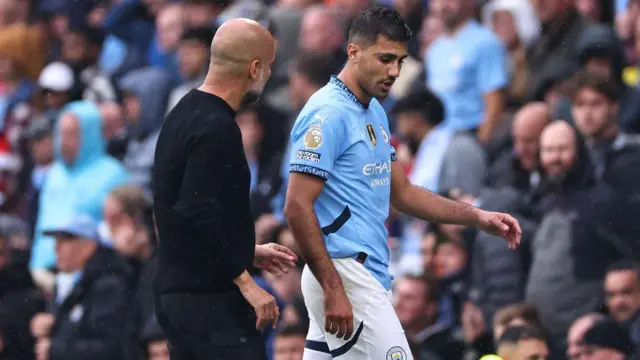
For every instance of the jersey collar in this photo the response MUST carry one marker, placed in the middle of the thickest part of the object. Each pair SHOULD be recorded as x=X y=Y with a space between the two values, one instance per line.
x=337 y=82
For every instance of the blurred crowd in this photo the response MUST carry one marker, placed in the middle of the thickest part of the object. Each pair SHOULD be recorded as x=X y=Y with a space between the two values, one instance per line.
x=526 y=106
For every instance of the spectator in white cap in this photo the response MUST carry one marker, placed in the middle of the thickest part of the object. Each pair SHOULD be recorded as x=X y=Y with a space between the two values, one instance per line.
x=56 y=82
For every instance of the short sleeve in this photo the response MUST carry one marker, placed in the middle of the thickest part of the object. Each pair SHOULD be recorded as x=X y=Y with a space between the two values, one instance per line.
x=393 y=153
x=492 y=69
x=317 y=142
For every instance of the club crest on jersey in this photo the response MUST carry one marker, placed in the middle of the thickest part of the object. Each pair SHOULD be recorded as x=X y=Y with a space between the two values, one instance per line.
x=385 y=136
x=313 y=137
x=396 y=353
x=372 y=134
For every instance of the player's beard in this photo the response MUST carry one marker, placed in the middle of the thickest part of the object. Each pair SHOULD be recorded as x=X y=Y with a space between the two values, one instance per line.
x=250 y=98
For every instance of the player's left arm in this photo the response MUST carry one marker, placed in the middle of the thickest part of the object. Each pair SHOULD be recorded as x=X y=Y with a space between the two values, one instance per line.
x=423 y=204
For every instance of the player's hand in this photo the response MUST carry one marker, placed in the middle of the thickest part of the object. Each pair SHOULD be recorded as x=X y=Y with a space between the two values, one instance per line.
x=274 y=258
x=500 y=224
x=338 y=313
x=263 y=303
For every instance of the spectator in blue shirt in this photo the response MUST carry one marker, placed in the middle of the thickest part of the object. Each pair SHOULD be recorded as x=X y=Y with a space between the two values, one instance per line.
x=466 y=68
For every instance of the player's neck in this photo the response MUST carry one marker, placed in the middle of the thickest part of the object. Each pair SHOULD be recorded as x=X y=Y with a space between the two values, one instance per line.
x=229 y=90
x=349 y=80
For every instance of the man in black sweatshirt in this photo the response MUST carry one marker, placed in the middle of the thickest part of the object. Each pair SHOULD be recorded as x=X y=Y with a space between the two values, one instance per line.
x=206 y=301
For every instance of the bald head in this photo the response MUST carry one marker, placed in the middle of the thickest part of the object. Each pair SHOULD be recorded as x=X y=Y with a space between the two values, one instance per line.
x=557 y=148
x=239 y=43
x=555 y=131
x=528 y=124
x=532 y=117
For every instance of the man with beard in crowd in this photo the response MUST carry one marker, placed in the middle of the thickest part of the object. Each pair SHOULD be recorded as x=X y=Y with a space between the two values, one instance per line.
x=582 y=230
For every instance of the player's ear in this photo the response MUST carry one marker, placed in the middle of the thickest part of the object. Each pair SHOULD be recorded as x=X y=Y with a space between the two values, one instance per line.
x=352 y=52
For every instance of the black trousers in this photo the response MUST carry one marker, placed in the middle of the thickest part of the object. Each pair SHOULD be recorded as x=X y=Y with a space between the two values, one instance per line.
x=210 y=326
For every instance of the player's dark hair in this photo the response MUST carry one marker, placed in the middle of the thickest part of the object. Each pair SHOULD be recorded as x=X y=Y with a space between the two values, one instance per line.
x=378 y=21
x=424 y=102
x=625 y=265
x=601 y=84
x=513 y=334
x=293 y=330
x=317 y=68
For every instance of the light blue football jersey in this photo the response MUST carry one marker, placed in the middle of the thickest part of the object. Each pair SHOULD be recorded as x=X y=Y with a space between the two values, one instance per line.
x=347 y=143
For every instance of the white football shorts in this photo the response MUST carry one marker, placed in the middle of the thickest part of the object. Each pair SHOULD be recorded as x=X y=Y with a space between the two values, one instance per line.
x=377 y=333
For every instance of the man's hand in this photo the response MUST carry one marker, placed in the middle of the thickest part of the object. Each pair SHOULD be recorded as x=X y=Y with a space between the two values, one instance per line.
x=338 y=313
x=41 y=325
x=274 y=258
x=500 y=224
x=43 y=345
x=264 y=304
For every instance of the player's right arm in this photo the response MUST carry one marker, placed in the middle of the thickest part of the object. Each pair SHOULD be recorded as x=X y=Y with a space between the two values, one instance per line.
x=302 y=192
x=317 y=143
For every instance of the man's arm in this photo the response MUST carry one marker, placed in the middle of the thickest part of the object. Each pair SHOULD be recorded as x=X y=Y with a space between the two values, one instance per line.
x=302 y=192
x=317 y=140
x=424 y=204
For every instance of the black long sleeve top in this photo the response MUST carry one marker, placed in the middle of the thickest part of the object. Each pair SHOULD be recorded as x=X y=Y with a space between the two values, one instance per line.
x=201 y=200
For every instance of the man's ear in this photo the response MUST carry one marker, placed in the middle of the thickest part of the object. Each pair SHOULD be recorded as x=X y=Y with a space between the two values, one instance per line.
x=254 y=70
x=353 y=51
